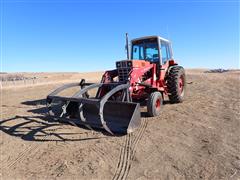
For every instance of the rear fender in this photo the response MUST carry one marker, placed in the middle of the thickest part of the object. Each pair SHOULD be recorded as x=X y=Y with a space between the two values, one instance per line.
x=108 y=76
x=171 y=68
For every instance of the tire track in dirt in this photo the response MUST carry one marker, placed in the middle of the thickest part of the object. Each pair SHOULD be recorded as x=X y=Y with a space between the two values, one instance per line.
x=135 y=143
x=123 y=161
x=106 y=157
x=128 y=151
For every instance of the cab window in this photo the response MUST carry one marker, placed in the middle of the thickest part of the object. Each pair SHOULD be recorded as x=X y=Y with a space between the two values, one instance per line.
x=146 y=49
x=165 y=50
x=138 y=51
x=152 y=52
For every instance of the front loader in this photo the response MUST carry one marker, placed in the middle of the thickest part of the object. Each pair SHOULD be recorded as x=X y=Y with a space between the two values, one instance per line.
x=149 y=73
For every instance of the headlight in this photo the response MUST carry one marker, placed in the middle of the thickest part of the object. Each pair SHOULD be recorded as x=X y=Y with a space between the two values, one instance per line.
x=130 y=64
x=118 y=64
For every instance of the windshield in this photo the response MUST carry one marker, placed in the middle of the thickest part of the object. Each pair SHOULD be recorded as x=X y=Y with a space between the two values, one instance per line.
x=146 y=50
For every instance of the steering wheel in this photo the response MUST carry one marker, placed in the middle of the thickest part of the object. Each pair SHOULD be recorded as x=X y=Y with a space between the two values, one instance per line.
x=149 y=56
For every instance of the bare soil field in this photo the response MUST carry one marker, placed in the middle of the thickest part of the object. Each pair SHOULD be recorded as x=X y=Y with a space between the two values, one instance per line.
x=196 y=139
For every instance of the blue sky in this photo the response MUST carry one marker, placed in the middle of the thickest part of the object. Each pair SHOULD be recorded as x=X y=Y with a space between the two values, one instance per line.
x=89 y=35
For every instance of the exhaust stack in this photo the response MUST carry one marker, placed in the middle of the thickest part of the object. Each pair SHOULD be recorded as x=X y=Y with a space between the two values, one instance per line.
x=127 y=47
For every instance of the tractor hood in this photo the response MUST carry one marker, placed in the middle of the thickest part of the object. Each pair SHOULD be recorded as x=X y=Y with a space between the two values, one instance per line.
x=132 y=63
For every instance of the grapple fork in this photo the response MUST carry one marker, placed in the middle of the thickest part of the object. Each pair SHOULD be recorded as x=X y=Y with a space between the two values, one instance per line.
x=114 y=114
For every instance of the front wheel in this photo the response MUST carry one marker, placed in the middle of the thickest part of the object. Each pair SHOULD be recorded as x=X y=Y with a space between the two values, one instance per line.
x=154 y=104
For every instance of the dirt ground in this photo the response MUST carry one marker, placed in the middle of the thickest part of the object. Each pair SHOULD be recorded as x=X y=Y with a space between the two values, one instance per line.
x=196 y=139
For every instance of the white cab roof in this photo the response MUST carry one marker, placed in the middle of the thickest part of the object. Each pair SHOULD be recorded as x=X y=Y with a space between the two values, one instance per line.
x=148 y=37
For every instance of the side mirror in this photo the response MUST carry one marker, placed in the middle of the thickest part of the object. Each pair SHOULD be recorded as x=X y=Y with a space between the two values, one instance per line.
x=135 y=49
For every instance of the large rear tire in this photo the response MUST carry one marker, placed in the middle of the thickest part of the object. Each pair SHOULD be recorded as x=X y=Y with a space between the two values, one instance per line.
x=154 y=104
x=176 y=84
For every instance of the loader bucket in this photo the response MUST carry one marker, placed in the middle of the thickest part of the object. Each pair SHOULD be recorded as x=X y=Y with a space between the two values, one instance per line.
x=115 y=116
x=120 y=117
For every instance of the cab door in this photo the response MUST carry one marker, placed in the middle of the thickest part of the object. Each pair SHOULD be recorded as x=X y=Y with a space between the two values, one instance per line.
x=165 y=56
x=166 y=53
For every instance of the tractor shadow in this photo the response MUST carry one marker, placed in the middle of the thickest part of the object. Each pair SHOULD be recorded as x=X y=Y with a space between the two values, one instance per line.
x=39 y=128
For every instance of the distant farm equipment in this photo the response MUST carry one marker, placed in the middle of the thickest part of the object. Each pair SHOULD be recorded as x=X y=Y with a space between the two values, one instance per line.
x=217 y=70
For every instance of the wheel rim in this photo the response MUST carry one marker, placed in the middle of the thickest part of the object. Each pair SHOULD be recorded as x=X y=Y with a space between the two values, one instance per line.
x=181 y=85
x=158 y=104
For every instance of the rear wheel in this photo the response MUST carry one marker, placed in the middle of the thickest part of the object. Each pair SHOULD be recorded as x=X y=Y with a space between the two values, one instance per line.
x=154 y=104
x=176 y=84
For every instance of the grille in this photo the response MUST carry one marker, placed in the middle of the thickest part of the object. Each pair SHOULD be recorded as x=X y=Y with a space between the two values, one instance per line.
x=123 y=68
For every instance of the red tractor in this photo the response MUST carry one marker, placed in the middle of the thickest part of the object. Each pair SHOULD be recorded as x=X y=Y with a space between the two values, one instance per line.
x=149 y=73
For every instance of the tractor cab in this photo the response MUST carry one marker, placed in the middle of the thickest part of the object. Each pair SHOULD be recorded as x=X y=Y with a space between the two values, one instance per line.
x=151 y=48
